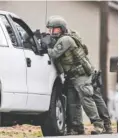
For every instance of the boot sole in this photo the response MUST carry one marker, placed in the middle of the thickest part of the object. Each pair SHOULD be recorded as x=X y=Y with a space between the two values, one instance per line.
x=95 y=133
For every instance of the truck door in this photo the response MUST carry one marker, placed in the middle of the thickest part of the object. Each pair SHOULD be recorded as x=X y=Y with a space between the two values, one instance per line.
x=38 y=69
x=12 y=68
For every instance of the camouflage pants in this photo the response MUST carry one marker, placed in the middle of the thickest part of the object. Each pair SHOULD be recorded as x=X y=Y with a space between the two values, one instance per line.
x=74 y=110
x=83 y=96
x=101 y=106
x=75 y=115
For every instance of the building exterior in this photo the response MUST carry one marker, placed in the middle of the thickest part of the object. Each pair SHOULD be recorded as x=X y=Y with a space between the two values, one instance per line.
x=83 y=16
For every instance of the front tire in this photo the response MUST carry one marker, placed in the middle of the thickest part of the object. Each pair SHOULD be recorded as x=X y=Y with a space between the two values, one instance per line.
x=55 y=123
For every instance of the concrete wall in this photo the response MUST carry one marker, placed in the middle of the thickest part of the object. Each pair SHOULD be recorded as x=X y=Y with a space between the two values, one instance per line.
x=113 y=46
x=82 y=16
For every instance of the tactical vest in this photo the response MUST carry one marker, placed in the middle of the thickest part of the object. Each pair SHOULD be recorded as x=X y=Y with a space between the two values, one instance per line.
x=64 y=63
x=68 y=63
x=77 y=40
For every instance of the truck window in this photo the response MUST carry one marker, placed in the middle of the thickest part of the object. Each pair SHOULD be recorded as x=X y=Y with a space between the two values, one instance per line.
x=9 y=30
x=25 y=34
x=3 y=41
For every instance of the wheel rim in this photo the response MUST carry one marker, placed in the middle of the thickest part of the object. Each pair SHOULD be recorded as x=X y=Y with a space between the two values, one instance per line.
x=59 y=114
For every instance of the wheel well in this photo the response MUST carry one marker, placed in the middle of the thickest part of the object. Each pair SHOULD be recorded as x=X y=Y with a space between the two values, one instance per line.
x=57 y=81
x=58 y=85
x=50 y=126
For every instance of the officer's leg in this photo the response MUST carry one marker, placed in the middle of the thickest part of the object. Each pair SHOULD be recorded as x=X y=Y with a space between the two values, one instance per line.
x=85 y=93
x=102 y=110
x=74 y=111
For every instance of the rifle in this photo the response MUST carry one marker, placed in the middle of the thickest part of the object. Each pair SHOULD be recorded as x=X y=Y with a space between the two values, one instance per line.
x=46 y=40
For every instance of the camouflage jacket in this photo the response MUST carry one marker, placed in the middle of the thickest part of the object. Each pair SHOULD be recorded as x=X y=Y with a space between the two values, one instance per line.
x=69 y=57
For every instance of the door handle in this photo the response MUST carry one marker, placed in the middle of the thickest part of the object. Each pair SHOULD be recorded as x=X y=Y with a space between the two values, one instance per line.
x=49 y=62
x=28 y=61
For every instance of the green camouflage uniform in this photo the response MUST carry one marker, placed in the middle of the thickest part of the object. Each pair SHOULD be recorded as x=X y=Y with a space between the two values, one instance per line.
x=74 y=63
x=102 y=110
x=74 y=118
x=101 y=106
x=75 y=115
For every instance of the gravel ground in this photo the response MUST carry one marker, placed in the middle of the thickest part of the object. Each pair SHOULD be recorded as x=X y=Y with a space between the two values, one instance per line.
x=29 y=131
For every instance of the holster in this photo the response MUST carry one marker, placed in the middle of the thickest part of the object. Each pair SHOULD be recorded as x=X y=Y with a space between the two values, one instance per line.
x=96 y=80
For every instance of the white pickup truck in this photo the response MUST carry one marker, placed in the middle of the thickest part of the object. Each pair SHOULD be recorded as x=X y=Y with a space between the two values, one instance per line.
x=28 y=81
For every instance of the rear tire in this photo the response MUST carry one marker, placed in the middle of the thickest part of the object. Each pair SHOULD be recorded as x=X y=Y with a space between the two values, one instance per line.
x=55 y=123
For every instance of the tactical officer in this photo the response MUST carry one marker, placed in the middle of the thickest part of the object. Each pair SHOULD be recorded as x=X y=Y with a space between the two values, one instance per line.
x=97 y=96
x=74 y=63
x=74 y=119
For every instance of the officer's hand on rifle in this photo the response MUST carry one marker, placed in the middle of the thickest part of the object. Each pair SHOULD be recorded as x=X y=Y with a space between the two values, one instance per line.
x=44 y=48
x=46 y=41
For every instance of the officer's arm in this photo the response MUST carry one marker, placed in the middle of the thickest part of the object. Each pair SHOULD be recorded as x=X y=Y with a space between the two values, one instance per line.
x=59 y=49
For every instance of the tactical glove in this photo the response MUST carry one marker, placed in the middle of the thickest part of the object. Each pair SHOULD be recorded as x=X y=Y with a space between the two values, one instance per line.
x=43 y=51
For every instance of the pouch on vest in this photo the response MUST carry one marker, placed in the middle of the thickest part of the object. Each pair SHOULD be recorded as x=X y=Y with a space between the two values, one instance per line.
x=77 y=40
x=78 y=70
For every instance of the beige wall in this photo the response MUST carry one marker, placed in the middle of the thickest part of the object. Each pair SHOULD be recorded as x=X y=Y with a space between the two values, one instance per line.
x=113 y=46
x=81 y=16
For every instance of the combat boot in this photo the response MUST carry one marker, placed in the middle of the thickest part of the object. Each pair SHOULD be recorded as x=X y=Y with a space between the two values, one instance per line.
x=108 y=129
x=81 y=130
x=77 y=130
x=97 y=130
x=72 y=132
